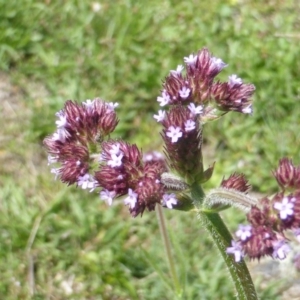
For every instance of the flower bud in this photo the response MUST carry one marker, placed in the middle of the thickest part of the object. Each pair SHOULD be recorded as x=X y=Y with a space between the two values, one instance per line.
x=287 y=175
x=237 y=182
x=233 y=98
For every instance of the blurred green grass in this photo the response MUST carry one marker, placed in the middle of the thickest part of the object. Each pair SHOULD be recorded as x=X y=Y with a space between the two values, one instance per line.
x=61 y=243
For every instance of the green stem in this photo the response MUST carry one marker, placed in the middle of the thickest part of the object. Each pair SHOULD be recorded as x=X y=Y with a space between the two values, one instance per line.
x=240 y=275
x=222 y=238
x=167 y=244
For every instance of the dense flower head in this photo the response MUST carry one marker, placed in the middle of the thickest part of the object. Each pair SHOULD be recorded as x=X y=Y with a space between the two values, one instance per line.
x=197 y=85
x=85 y=155
x=89 y=120
x=259 y=243
x=271 y=218
x=130 y=175
x=182 y=137
x=268 y=225
x=149 y=192
x=79 y=126
x=190 y=97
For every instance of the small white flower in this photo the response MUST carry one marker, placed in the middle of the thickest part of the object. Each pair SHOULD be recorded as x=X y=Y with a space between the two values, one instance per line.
x=52 y=159
x=55 y=171
x=62 y=120
x=83 y=181
x=248 y=109
x=184 y=92
x=244 y=232
x=190 y=60
x=131 y=199
x=89 y=104
x=107 y=196
x=86 y=182
x=60 y=135
x=164 y=99
x=236 y=249
x=115 y=149
x=281 y=249
x=148 y=157
x=157 y=155
x=115 y=161
x=56 y=136
x=195 y=110
x=285 y=208
x=177 y=71
x=160 y=116
x=169 y=200
x=189 y=125
x=174 y=133
x=218 y=63
x=112 y=105
x=153 y=155
x=234 y=80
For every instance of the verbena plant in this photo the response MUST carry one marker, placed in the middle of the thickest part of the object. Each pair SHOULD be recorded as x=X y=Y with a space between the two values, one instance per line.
x=85 y=155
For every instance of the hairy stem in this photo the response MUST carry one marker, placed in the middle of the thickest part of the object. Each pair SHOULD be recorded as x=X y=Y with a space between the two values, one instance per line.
x=222 y=238
x=240 y=275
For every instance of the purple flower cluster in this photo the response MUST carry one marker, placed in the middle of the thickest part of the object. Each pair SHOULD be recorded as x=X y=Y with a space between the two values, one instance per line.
x=271 y=218
x=194 y=97
x=79 y=127
x=197 y=86
x=85 y=155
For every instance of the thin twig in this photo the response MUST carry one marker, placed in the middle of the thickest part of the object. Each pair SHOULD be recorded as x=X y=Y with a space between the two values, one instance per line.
x=167 y=244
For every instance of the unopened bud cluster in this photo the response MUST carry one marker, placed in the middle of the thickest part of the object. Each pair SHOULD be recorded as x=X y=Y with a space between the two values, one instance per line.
x=85 y=155
x=265 y=235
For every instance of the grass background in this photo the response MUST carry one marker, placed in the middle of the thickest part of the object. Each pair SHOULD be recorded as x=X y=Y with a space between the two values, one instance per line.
x=61 y=243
